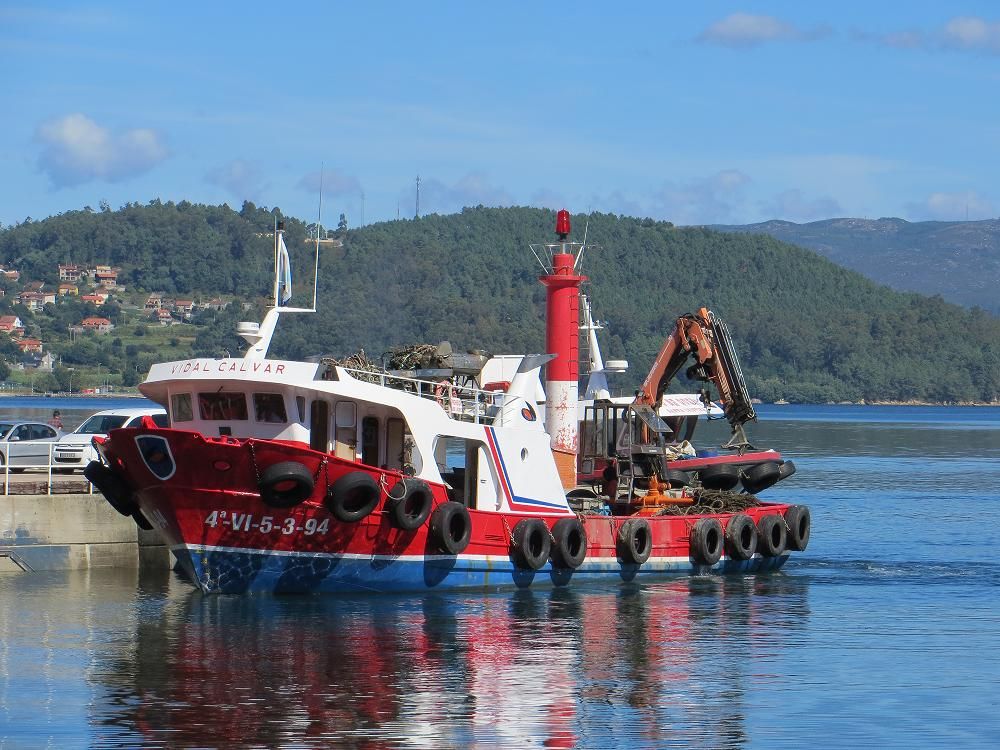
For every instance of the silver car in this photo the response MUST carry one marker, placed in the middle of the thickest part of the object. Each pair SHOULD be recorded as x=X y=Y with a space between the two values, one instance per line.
x=24 y=444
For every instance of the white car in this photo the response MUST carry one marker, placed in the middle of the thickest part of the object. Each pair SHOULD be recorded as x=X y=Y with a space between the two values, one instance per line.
x=75 y=450
x=25 y=444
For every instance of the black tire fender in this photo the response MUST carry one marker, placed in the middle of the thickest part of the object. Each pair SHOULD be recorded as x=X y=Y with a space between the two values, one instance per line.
x=569 y=548
x=741 y=537
x=451 y=528
x=678 y=478
x=635 y=541
x=410 y=503
x=285 y=484
x=786 y=469
x=772 y=536
x=719 y=476
x=799 y=523
x=352 y=497
x=707 y=541
x=761 y=476
x=531 y=543
x=115 y=489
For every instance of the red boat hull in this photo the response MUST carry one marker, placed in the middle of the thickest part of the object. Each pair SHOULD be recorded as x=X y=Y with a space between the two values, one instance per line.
x=206 y=503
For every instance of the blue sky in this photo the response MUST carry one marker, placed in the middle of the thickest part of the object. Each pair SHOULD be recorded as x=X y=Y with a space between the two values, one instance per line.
x=711 y=112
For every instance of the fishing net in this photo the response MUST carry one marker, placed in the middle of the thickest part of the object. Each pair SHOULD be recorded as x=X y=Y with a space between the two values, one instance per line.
x=357 y=362
x=414 y=357
x=712 y=501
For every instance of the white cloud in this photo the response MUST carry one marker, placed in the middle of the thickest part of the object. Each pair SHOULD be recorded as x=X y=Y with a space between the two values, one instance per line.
x=332 y=182
x=952 y=207
x=241 y=178
x=471 y=190
x=792 y=205
x=972 y=33
x=75 y=150
x=964 y=33
x=748 y=30
x=711 y=200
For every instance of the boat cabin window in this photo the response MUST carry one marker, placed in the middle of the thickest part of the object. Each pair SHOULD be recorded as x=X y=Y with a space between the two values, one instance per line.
x=269 y=407
x=300 y=406
x=222 y=407
x=180 y=407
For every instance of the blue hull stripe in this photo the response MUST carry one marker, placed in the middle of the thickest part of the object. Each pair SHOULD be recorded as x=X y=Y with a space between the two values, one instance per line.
x=233 y=570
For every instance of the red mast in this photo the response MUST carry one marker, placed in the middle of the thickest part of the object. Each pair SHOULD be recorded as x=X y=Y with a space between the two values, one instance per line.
x=562 y=338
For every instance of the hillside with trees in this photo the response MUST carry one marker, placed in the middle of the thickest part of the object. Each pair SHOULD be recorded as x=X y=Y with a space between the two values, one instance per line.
x=960 y=260
x=807 y=330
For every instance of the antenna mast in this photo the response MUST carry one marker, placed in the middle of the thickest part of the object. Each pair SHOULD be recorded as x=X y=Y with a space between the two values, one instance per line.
x=319 y=228
x=416 y=215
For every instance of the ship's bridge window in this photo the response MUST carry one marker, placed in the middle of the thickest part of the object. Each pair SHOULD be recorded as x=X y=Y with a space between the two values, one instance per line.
x=222 y=407
x=180 y=407
x=269 y=407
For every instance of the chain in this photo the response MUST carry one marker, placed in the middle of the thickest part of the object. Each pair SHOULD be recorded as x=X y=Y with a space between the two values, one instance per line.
x=319 y=468
x=506 y=526
x=253 y=460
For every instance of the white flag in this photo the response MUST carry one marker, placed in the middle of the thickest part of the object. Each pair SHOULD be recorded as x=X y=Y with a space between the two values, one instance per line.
x=284 y=272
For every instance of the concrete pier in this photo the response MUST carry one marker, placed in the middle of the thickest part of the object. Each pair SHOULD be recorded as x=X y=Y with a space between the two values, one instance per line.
x=72 y=531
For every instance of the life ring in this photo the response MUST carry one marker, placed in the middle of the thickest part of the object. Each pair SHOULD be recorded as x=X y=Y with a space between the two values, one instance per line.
x=719 y=476
x=115 y=489
x=531 y=543
x=772 y=535
x=799 y=523
x=758 y=478
x=440 y=389
x=707 y=541
x=451 y=528
x=741 y=537
x=285 y=484
x=635 y=541
x=447 y=397
x=352 y=497
x=410 y=503
x=570 y=543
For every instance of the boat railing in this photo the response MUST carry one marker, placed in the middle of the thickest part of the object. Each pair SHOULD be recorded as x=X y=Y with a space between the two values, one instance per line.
x=28 y=477
x=461 y=402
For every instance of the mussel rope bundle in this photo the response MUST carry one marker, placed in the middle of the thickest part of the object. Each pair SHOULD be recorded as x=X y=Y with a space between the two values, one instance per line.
x=712 y=501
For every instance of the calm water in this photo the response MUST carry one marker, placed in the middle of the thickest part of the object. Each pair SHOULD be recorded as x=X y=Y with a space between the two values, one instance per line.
x=885 y=633
x=73 y=409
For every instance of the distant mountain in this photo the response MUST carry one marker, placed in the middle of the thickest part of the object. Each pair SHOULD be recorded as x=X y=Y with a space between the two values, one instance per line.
x=958 y=260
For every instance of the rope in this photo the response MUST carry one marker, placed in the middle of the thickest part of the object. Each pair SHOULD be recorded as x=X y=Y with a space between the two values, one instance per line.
x=712 y=501
x=384 y=483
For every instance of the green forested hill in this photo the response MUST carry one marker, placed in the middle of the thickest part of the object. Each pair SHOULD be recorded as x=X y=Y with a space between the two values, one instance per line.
x=807 y=330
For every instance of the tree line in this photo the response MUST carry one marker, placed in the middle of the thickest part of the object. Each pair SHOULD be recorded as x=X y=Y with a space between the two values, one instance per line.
x=806 y=329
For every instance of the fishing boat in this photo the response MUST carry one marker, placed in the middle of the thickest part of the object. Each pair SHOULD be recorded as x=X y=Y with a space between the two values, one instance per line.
x=298 y=476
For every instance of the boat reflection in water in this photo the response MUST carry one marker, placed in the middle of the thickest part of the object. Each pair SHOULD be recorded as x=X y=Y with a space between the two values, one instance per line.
x=642 y=665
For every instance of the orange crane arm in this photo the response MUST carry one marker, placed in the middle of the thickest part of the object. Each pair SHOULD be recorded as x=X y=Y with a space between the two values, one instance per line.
x=707 y=339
